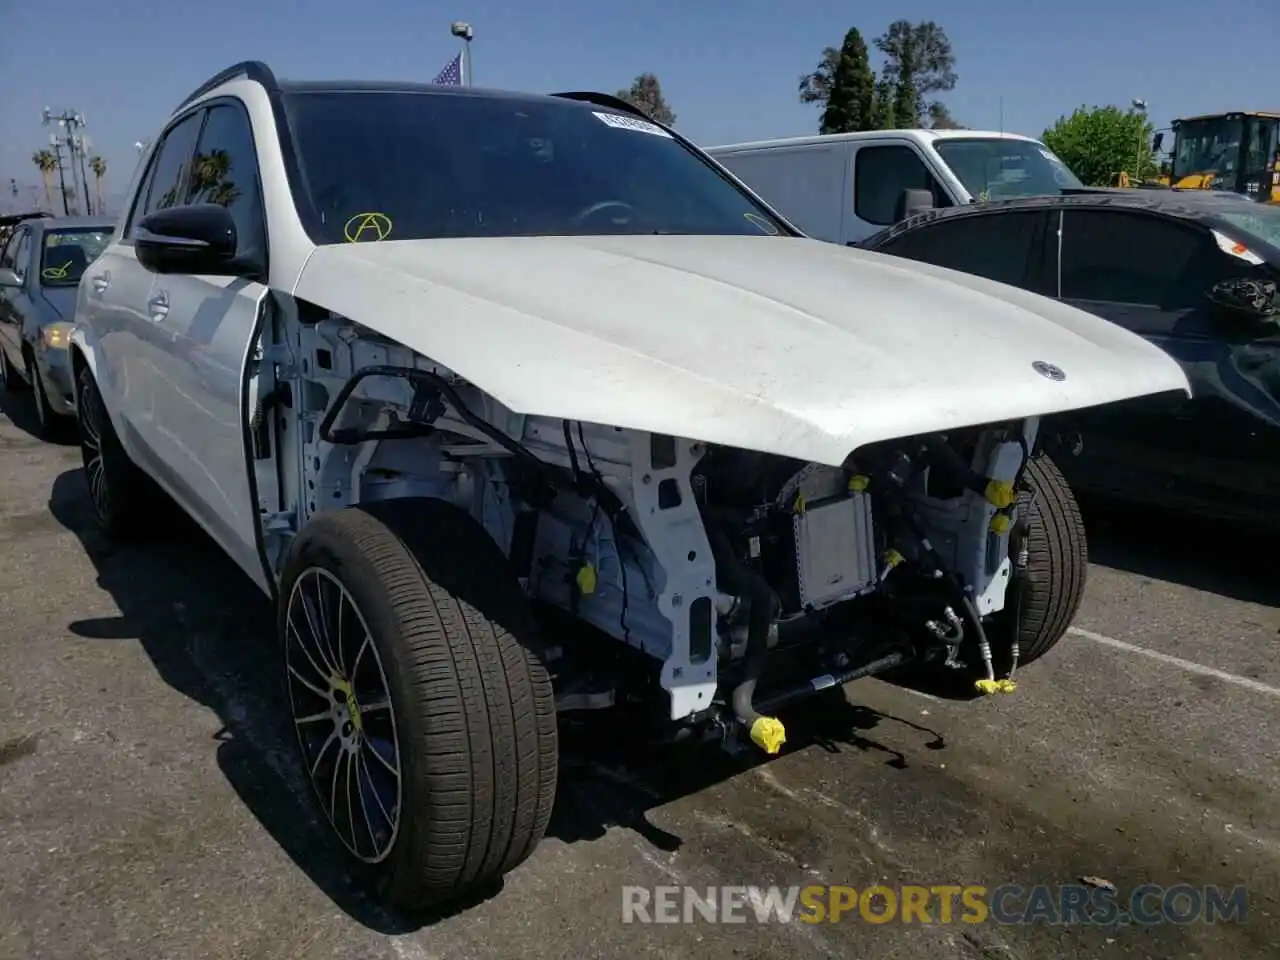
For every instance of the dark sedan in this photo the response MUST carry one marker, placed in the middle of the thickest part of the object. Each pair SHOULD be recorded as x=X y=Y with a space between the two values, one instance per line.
x=1196 y=275
x=40 y=270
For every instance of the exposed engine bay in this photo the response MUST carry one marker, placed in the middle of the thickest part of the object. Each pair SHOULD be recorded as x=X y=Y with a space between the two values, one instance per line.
x=734 y=580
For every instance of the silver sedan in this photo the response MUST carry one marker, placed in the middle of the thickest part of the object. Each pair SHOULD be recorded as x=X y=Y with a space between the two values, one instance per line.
x=40 y=269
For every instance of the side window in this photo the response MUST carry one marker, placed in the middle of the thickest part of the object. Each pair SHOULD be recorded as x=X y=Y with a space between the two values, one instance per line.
x=880 y=174
x=22 y=253
x=996 y=246
x=225 y=172
x=1124 y=257
x=168 y=183
x=9 y=257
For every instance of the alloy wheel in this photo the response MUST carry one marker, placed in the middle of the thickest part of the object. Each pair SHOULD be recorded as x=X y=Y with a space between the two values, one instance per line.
x=341 y=706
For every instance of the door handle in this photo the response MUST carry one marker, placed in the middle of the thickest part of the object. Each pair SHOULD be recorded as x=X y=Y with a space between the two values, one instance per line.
x=101 y=281
x=158 y=306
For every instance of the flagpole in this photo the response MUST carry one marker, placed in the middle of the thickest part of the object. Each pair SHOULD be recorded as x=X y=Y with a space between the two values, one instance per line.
x=462 y=30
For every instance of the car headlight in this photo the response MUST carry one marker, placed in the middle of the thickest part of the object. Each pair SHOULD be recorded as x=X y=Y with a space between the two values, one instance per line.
x=56 y=336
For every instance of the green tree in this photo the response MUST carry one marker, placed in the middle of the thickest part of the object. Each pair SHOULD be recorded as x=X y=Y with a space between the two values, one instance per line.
x=918 y=61
x=844 y=84
x=646 y=94
x=1099 y=143
x=882 y=106
x=99 y=168
x=940 y=117
x=47 y=163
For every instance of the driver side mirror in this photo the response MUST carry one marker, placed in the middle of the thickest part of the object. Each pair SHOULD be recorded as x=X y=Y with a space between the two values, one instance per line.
x=1245 y=298
x=911 y=202
x=8 y=278
x=198 y=239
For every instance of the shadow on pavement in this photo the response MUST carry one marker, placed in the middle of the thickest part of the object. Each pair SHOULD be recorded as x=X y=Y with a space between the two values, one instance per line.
x=20 y=408
x=210 y=635
x=1229 y=561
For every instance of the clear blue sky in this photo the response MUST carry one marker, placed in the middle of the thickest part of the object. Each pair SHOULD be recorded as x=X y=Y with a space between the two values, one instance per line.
x=729 y=70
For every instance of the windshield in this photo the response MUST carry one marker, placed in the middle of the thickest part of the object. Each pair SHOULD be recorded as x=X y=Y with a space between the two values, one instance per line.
x=993 y=168
x=1258 y=220
x=403 y=165
x=67 y=253
x=1207 y=146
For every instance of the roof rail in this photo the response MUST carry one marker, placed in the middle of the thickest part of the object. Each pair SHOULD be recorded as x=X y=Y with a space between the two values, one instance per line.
x=254 y=70
x=605 y=100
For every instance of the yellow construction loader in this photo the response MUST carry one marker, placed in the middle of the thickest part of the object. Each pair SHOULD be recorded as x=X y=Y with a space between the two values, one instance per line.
x=1238 y=151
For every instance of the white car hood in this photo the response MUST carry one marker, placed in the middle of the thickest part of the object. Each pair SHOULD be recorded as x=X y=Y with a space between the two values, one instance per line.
x=789 y=346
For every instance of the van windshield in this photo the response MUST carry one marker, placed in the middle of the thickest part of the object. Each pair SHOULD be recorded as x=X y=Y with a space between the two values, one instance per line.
x=992 y=168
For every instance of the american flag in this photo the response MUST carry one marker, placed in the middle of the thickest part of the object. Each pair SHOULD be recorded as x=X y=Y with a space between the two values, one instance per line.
x=451 y=75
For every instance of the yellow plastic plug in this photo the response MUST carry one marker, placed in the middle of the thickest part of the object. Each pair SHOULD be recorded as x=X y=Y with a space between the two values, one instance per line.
x=1000 y=494
x=586 y=579
x=986 y=687
x=858 y=483
x=768 y=734
x=892 y=558
x=1000 y=523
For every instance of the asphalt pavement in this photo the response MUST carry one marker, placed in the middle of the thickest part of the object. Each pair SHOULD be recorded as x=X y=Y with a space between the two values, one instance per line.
x=151 y=805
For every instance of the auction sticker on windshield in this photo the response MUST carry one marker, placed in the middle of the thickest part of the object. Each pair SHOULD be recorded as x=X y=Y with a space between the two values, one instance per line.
x=631 y=123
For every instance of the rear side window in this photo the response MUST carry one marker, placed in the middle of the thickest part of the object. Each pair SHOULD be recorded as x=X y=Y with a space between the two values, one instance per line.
x=1124 y=257
x=880 y=174
x=172 y=165
x=22 y=253
x=9 y=257
x=999 y=247
x=225 y=172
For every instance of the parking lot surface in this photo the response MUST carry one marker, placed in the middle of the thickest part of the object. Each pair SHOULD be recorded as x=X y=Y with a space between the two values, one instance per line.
x=151 y=806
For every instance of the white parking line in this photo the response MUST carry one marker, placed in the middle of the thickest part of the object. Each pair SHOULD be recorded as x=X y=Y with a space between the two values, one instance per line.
x=1190 y=666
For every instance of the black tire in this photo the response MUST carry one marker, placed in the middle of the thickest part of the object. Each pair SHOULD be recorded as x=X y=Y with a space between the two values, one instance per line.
x=122 y=495
x=9 y=379
x=1057 y=560
x=472 y=702
x=49 y=425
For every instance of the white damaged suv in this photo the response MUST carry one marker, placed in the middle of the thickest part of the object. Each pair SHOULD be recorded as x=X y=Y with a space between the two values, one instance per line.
x=518 y=405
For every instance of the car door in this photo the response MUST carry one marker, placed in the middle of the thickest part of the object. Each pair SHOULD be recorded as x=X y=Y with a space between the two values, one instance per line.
x=16 y=257
x=117 y=305
x=881 y=171
x=206 y=330
x=1005 y=246
x=1150 y=274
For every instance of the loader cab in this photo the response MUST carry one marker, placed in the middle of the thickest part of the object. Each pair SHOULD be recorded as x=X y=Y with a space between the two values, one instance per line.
x=1233 y=152
x=845 y=187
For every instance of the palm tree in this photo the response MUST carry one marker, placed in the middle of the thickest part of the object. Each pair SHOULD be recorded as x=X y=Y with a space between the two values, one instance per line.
x=47 y=163
x=99 y=168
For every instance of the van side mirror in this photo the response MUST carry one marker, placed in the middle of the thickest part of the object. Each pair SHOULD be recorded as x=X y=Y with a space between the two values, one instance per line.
x=1156 y=142
x=911 y=202
x=8 y=278
x=1245 y=298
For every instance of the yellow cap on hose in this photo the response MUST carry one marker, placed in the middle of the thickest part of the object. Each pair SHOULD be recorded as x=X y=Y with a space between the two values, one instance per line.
x=1000 y=494
x=989 y=687
x=586 y=579
x=768 y=734
x=1000 y=523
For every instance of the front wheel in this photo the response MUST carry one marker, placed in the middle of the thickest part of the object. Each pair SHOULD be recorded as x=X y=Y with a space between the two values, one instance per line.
x=121 y=493
x=51 y=425
x=425 y=717
x=1057 y=563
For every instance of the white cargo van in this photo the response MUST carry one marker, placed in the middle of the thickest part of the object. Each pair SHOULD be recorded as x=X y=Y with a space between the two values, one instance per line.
x=843 y=187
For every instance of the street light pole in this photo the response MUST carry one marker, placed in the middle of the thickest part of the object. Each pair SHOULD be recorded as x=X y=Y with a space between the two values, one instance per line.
x=62 y=181
x=1141 y=106
x=463 y=32
x=69 y=120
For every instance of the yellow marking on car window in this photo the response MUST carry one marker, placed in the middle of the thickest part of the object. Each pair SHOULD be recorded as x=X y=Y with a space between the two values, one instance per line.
x=56 y=273
x=367 y=227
